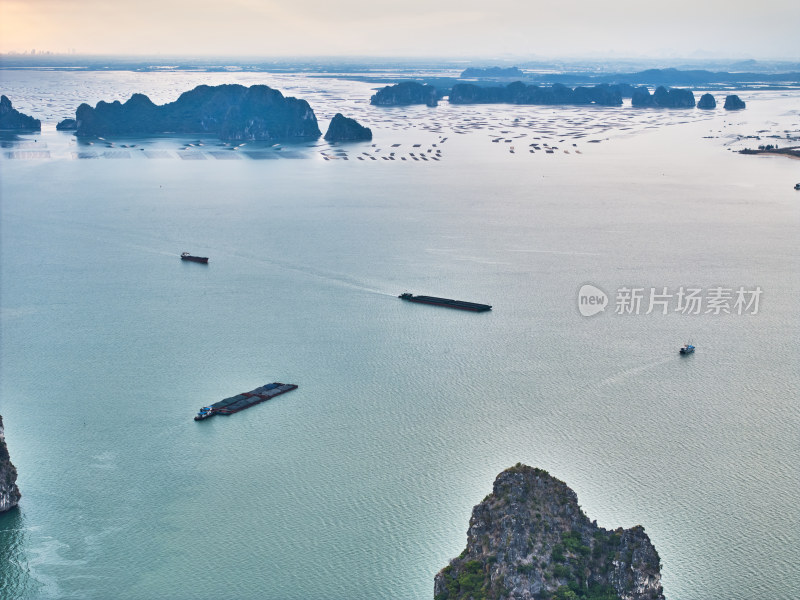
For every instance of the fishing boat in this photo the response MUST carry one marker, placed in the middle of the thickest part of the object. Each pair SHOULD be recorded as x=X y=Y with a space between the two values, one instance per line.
x=687 y=348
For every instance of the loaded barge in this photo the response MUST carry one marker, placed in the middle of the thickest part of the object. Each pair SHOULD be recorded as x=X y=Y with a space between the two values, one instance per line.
x=198 y=259
x=234 y=404
x=460 y=304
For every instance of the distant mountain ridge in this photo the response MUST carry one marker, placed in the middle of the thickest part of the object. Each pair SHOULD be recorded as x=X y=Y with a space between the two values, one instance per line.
x=492 y=73
x=670 y=77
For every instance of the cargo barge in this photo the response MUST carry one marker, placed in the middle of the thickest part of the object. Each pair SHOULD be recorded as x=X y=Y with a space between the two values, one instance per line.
x=447 y=302
x=198 y=259
x=234 y=404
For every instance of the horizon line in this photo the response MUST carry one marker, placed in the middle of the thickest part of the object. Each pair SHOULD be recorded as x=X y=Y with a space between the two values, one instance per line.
x=593 y=59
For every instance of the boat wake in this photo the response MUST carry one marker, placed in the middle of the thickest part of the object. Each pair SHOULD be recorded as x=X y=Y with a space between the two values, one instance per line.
x=628 y=373
x=339 y=279
x=564 y=252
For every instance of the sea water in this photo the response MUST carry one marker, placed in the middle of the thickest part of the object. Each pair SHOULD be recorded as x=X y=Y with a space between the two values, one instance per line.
x=359 y=485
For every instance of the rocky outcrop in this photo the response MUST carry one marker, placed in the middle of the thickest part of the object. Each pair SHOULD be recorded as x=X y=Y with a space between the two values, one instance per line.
x=733 y=102
x=9 y=492
x=641 y=98
x=12 y=119
x=233 y=112
x=529 y=539
x=492 y=73
x=707 y=101
x=469 y=93
x=625 y=89
x=67 y=125
x=603 y=95
x=343 y=129
x=663 y=98
x=674 y=97
x=520 y=93
x=406 y=94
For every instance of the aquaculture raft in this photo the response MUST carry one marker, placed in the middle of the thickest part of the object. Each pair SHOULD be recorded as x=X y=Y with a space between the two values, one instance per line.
x=234 y=404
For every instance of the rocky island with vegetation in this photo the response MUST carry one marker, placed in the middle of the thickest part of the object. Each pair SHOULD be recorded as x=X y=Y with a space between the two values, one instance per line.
x=733 y=102
x=344 y=129
x=529 y=539
x=663 y=97
x=232 y=112
x=773 y=149
x=9 y=492
x=67 y=125
x=521 y=93
x=12 y=119
x=406 y=93
x=707 y=101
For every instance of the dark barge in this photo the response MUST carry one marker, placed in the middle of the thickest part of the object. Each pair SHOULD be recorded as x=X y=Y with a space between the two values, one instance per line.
x=447 y=302
x=198 y=259
x=234 y=404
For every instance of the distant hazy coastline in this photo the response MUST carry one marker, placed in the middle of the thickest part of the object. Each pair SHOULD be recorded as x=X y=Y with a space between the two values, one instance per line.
x=444 y=71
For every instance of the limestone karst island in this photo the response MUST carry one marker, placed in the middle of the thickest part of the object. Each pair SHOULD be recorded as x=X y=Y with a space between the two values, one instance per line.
x=529 y=539
x=9 y=492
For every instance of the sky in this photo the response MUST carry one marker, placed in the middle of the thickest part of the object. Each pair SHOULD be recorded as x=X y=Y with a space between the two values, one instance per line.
x=764 y=29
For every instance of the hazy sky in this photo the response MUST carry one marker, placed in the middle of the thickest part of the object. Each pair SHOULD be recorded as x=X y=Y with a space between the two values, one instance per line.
x=447 y=28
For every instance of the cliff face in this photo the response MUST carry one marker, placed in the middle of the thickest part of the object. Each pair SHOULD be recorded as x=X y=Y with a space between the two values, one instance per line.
x=343 y=129
x=12 y=119
x=405 y=94
x=9 y=492
x=529 y=539
x=233 y=112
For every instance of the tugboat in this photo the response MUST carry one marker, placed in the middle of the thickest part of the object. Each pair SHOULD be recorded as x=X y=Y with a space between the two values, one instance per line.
x=199 y=259
x=687 y=348
x=204 y=413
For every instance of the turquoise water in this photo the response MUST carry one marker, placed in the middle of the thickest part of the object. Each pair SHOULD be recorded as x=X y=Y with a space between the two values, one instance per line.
x=359 y=485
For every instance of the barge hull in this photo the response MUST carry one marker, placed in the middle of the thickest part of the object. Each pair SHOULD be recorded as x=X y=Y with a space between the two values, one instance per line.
x=447 y=303
x=234 y=404
x=197 y=259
